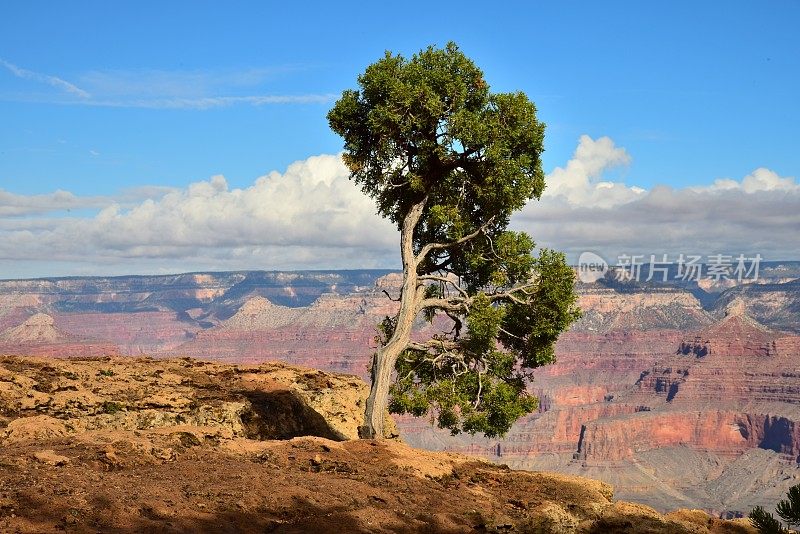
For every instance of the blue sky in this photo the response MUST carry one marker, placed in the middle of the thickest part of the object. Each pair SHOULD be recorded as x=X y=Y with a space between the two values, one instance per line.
x=103 y=98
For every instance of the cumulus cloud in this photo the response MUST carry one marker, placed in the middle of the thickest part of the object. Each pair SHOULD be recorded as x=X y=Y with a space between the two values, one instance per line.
x=312 y=216
x=15 y=205
x=312 y=204
x=309 y=216
x=761 y=179
x=759 y=213
x=579 y=182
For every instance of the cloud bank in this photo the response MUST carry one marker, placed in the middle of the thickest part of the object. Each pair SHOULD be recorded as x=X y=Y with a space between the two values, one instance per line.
x=312 y=216
x=579 y=211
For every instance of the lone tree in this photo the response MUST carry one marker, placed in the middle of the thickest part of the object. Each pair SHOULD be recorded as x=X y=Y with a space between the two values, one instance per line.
x=449 y=162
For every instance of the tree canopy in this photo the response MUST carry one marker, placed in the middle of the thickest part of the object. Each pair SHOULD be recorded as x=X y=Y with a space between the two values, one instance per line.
x=448 y=162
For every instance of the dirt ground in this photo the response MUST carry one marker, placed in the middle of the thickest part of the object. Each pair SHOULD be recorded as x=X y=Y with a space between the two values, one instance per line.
x=301 y=485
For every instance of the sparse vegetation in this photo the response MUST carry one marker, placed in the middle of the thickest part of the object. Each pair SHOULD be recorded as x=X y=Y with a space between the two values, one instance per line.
x=111 y=407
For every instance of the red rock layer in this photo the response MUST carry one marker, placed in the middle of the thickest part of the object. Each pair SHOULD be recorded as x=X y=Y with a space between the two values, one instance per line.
x=726 y=433
x=135 y=333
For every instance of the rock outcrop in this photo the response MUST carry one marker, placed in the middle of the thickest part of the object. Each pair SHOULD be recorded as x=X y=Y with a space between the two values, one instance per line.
x=141 y=445
x=268 y=401
x=38 y=328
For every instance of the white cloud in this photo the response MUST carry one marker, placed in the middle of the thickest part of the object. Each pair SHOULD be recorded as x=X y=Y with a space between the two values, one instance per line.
x=760 y=179
x=53 y=81
x=579 y=181
x=312 y=204
x=153 y=83
x=153 y=89
x=15 y=205
x=203 y=103
x=758 y=214
x=312 y=216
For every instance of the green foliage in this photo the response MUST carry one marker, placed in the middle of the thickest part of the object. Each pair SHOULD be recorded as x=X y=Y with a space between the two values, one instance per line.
x=111 y=407
x=385 y=330
x=765 y=522
x=429 y=127
x=106 y=372
x=788 y=509
x=427 y=131
x=451 y=394
x=432 y=291
x=531 y=329
x=478 y=382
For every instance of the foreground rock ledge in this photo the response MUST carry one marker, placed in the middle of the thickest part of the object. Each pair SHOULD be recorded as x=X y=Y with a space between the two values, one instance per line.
x=41 y=397
x=140 y=445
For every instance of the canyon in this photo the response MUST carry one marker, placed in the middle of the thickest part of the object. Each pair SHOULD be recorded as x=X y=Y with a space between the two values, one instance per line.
x=680 y=394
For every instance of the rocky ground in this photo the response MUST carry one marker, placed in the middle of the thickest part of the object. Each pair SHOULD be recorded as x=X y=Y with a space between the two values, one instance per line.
x=140 y=445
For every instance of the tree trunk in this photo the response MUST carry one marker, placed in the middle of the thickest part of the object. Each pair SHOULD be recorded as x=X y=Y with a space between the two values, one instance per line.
x=384 y=360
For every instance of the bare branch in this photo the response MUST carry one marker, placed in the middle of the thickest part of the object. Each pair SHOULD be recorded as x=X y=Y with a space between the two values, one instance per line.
x=455 y=304
x=390 y=297
x=439 y=266
x=512 y=294
x=506 y=332
x=435 y=343
x=445 y=280
x=462 y=304
x=480 y=388
x=438 y=246
x=407 y=232
x=457 y=324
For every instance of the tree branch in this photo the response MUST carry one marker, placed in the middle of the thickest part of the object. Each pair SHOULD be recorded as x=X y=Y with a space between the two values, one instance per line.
x=445 y=280
x=512 y=293
x=439 y=246
x=407 y=233
x=390 y=297
x=462 y=304
x=438 y=267
x=455 y=304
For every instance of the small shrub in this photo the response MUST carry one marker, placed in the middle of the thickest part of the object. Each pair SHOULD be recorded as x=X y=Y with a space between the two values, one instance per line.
x=111 y=407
